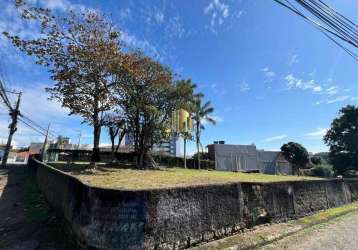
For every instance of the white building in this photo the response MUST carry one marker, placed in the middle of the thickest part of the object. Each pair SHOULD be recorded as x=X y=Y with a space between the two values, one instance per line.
x=171 y=146
x=245 y=158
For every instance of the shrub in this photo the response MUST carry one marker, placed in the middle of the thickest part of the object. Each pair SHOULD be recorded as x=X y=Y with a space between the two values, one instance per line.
x=316 y=160
x=322 y=171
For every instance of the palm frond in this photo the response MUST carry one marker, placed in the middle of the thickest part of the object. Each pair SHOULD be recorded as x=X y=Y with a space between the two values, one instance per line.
x=211 y=120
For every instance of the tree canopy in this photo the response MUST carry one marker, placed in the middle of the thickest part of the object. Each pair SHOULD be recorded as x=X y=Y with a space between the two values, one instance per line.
x=201 y=112
x=78 y=49
x=296 y=154
x=147 y=94
x=342 y=139
x=94 y=77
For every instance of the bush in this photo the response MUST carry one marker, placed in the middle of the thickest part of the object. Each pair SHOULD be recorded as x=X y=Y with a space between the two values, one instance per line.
x=322 y=171
x=316 y=160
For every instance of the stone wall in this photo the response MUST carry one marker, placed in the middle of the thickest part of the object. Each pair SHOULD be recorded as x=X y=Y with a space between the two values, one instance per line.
x=181 y=217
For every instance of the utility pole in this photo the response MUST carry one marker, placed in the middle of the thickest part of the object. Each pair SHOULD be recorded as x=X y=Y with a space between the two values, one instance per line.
x=79 y=139
x=13 y=127
x=43 y=153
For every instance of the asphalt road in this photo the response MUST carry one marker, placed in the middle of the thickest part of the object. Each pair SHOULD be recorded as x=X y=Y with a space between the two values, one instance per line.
x=341 y=233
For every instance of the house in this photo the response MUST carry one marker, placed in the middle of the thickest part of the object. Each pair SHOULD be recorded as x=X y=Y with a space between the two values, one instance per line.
x=246 y=158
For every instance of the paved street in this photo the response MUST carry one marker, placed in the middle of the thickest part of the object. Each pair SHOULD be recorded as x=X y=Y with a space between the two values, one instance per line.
x=341 y=233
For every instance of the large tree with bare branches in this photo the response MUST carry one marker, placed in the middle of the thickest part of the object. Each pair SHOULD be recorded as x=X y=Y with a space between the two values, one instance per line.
x=79 y=50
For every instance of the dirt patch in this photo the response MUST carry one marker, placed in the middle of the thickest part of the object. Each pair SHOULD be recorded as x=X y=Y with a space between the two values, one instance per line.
x=25 y=216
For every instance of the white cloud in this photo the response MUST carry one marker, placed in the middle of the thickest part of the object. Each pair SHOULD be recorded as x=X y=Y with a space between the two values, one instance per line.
x=318 y=133
x=317 y=89
x=62 y=5
x=275 y=138
x=134 y=42
x=125 y=14
x=293 y=59
x=159 y=17
x=11 y=21
x=269 y=74
x=294 y=82
x=36 y=106
x=333 y=90
x=244 y=86
x=339 y=99
x=330 y=93
x=218 y=12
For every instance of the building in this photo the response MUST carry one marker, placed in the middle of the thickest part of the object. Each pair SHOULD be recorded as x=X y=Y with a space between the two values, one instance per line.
x=245 y=158
x=170 y=147
x=63 y=143
x=36 y=147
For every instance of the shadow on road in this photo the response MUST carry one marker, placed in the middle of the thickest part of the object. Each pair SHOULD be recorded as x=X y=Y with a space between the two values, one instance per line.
x=26 y=220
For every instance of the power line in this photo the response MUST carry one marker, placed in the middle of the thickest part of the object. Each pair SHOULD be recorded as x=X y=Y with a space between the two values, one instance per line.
x=33 y=123
x=33 y=128
x=333 y=25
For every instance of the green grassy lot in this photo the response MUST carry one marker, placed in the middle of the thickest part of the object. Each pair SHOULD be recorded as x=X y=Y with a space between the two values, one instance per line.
x=172 y=177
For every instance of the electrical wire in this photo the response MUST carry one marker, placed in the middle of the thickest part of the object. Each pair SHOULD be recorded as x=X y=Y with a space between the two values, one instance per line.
x=30 y=126
x=335 y=26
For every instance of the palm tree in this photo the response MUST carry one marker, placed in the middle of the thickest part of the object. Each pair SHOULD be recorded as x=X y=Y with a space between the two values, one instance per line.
x=189 y=106
x=201 y=113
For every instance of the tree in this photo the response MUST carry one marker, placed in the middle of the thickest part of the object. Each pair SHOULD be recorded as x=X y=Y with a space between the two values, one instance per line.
x=116 y=126
x=185 y=130
x=295 y=154
x=201 y=113
x=316 y=160
x=342 y=139
x=78 y=50
x=147 y=96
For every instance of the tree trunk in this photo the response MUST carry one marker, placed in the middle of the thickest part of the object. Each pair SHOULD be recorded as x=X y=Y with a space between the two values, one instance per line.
x=146 y=161
x=112 y=151
x=295 y=169
x=198 y=153
x=184 y=152
x=96 y=138
x=120 y=139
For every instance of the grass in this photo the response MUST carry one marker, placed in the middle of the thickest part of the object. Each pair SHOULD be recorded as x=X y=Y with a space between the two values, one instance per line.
x=173 y=177
x=36 y=207
x=328 y=214
x=268 y=235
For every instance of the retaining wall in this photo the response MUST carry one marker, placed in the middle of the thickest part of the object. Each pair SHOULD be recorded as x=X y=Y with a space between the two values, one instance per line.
x=181 y=217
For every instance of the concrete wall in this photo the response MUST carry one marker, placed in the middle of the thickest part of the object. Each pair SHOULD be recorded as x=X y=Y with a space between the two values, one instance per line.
x=181 y=217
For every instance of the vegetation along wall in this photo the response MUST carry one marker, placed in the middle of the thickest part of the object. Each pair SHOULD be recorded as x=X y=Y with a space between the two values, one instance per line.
x=181 y=217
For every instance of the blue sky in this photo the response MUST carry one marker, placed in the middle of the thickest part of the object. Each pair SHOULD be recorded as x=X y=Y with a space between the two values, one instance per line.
x=271 y=77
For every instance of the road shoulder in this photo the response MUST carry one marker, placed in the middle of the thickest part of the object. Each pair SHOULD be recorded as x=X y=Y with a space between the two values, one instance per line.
x=260 y=236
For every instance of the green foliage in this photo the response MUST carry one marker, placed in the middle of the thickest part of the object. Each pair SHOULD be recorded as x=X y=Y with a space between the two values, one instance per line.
x=78 y=50
x=202 y=155
x=316 y=160
x=147 y=95
x=296 y=154
x=322 y=171
x=201 y=112
x=36 y=207
x=342 y=139
x=324 y=156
